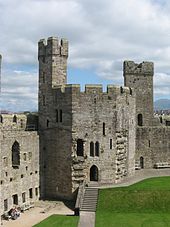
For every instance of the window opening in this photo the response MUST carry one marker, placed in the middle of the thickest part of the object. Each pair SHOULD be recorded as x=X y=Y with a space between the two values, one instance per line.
x=97 y=148
x=140 y=120
x=111 y=146
x=15 y=155
x=104 y=130
x=14 y=119
x=91 y=149
x=15 y=199
x=1 y=119
x=30 y=193
x=23 y=197
x=61 y=115
x=80 y=147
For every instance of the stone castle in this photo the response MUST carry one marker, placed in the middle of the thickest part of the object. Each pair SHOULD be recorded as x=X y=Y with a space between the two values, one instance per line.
x=82 y=136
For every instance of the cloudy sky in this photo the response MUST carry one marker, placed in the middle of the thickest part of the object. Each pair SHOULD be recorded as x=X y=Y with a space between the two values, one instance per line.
x=101 y=33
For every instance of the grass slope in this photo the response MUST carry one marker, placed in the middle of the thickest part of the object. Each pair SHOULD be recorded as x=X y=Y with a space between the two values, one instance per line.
x=59 y=221
x=146 y=203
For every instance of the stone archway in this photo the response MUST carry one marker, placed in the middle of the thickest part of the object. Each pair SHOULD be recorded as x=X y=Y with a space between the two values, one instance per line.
x=94 y=173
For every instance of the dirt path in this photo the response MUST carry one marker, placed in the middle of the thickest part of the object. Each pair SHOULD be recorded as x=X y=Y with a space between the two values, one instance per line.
x=41 y=211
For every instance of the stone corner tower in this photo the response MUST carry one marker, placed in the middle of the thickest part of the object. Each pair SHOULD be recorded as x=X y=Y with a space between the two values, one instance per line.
x=140 y=77
x=54 y=119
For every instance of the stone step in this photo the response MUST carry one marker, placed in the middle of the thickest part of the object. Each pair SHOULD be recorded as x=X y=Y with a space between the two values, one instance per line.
x=90 y=199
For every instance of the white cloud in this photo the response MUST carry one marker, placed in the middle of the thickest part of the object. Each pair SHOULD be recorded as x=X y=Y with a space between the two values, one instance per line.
x=102 y=33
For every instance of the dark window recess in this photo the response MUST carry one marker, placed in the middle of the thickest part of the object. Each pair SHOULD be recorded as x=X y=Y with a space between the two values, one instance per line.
x=56 y=115
x=48 y=123
x=161 y=120
x=15 y=155
x=91 y=149
x=130 y=89
x=104 y=129
x=80 y=147
x=61 y=115
x=121 y=90
x=5 y=205
x=30 y=193
x=1 y=119
x=97 y=149
x=167 y=123
x=14 y=119
x=111 y=146
x=149 y=142
x=23 y=197
x=15 y=199
x=140 y=120
x=36 y=191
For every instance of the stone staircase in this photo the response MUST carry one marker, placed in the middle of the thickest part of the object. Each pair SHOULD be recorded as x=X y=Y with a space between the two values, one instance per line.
x=89 y=202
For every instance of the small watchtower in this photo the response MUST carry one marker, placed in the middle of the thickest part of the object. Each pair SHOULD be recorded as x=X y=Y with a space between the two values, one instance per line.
x=140 y=77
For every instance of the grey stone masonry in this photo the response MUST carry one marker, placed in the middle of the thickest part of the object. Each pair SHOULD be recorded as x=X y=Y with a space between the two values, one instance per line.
x=140 y=77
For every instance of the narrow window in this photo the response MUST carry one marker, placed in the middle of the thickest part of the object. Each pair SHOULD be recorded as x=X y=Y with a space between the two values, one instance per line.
x=56 y=115
x=36 y=191
x=15 y=199
x=5 y=205
x=161 y=119
x=111 y=144
x=14 y=119
x=1 y=119
x=48 y=123
x=97 y=149
x=15 y=155
x=91 y=149
x=30 y=193
x=130 y=89
x=104 y=132
x=23 y=197
x=121 y=90
x=80 y=147
x=149 y=143
x=140 y=120
x=61 y=115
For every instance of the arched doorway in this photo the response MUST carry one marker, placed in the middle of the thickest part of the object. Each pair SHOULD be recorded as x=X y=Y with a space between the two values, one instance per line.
x=141 y=162
x=94 y=173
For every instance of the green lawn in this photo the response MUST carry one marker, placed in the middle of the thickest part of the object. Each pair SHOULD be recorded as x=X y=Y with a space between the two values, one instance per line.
x=146 y=203
x=59 y=221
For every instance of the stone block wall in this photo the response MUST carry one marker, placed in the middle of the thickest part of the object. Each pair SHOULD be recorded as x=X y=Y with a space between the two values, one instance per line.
x=22 y=180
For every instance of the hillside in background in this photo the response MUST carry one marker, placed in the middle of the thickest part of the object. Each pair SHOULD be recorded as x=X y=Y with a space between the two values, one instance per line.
x=162 y=104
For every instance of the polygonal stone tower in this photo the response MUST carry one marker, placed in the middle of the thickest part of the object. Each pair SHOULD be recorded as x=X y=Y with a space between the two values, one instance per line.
x=52 y=58
x=140 y=77
x=53 y=128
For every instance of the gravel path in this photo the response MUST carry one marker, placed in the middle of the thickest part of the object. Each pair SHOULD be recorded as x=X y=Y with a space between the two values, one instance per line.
x=37 y=214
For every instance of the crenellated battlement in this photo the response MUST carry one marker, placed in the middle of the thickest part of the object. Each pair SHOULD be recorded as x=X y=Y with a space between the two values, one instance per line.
x=93 y=89
x=130 y=67
x=52 y=46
